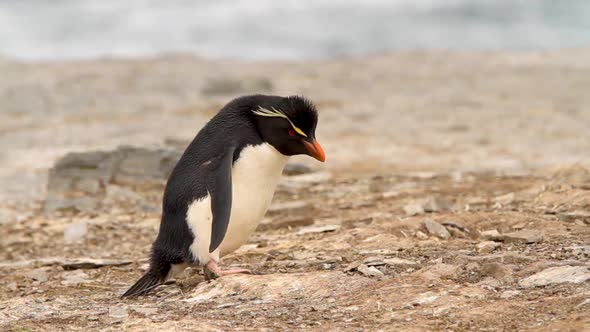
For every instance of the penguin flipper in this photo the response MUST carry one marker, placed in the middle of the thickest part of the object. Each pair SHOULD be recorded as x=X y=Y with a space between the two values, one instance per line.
x=219 y=186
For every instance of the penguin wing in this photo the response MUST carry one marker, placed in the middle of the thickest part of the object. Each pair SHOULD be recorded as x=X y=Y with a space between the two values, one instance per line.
x=219 y=186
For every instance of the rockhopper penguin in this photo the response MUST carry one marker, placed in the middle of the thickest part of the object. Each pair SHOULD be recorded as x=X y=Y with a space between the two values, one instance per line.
x=224 y=182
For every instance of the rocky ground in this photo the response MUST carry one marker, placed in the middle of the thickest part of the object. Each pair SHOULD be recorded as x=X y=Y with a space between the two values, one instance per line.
x=456 y=195
x=417 y=252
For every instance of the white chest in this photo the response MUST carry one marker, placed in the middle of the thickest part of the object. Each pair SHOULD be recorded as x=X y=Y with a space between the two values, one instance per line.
x=254 y=178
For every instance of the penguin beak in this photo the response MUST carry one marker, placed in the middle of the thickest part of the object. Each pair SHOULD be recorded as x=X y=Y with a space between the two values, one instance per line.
x=315 y=150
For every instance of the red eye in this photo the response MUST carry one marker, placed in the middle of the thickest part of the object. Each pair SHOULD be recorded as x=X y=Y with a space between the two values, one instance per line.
x=291 y=132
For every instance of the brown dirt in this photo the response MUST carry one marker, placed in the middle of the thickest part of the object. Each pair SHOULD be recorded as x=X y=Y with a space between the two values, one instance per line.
x=302 y=281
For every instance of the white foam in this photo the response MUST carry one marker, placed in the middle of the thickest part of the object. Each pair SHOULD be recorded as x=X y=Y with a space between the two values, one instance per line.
x=34 y=29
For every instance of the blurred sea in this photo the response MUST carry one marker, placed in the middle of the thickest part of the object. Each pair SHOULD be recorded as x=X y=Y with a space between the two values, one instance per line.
x=291 y=29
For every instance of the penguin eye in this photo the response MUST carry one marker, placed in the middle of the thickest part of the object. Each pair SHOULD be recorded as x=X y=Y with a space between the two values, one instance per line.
x=291 y=132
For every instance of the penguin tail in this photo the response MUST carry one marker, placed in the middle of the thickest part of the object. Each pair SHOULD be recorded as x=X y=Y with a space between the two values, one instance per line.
x=154 y=277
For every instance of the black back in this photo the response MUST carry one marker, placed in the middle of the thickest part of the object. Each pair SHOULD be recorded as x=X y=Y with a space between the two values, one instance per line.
x=230 y=130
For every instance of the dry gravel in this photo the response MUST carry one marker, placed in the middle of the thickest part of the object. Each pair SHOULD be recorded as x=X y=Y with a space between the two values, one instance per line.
x=455 y=197
x=364 y=264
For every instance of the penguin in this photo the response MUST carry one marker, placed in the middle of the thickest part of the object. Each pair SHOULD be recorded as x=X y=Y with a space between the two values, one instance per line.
x=224 y=182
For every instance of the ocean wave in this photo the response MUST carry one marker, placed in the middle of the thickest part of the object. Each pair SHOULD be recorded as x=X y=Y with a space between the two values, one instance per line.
x=266 y=29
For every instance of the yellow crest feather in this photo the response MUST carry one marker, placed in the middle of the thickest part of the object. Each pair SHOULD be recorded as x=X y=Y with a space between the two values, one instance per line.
x=276 y=113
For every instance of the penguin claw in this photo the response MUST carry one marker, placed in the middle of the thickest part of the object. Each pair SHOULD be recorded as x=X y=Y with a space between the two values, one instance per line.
x=209 y=275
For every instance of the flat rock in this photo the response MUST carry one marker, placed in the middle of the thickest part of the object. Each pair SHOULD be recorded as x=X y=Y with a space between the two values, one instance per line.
x=399 y=262
x=76 y=175
x=557 y=275
x=370 y=271
x=31 y=263
x=138 y=166
x=318 y=229
x=487 y=247
x=67 y=264
x=352 y=266
x=317 y=286
x=91 y=263
x=523 y=236
x=77 y=181
x=374 y=261
x=437 y=229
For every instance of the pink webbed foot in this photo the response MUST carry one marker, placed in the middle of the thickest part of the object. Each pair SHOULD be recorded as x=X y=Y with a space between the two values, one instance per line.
x=212 y=271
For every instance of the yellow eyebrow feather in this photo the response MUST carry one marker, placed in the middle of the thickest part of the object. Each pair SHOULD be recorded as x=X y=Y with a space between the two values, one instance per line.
x=276 y=113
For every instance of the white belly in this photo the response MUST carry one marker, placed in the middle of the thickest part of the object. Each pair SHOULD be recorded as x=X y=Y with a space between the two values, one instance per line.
x=254 y=178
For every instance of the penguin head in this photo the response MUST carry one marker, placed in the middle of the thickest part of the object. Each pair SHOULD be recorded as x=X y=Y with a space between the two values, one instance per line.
x=288 y=124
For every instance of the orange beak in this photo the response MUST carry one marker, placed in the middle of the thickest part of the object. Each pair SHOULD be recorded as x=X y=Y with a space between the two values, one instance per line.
x=315 y=150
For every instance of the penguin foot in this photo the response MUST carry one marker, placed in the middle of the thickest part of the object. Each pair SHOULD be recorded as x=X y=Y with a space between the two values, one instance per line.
x=212 y=271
